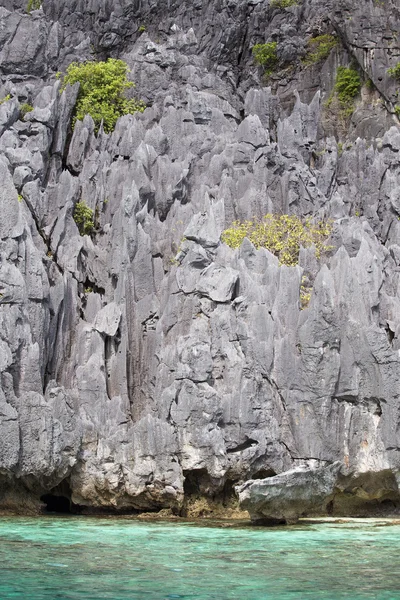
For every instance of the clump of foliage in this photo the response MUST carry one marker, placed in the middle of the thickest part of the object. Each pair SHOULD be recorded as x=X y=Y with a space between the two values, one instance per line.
x=33 y=5
x=346 y=89
x=395 y=71
x=319 y=48
x=282 y=235
x=266 y=55
x=102 y=91
x=5 y=99
x=25 y=109
x=142 y=29
x=283 y=3
x=83 y=217
x=347 y=85
x=305 y=296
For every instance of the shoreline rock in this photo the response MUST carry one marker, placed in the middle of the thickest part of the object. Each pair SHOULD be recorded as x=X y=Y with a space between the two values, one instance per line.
x=331 y=490
x=148 y=362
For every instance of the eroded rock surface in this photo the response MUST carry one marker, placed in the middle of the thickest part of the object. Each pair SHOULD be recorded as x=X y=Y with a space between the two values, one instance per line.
x=149 y=361
x=315 y=491
x=290 y=495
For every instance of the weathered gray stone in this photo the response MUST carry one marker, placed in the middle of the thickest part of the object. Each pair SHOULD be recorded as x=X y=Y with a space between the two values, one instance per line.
x=107 y=319
x=218 y=283
x=148 y=360
x=10 y=222
x=290 y=495
x=9 y=113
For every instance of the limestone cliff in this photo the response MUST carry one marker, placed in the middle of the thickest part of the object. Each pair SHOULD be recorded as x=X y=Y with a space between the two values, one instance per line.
x=149 y=361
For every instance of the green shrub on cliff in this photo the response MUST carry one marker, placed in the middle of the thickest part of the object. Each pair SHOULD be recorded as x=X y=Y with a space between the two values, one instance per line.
x=347 y=85
x=346 y=89
x=25 y=109
x=102 y=91
x=282 y=235
x=266 y=56
x=319 y=48
x=283 y=3
x=84 y=218
x=395 y=71
x=33 y=5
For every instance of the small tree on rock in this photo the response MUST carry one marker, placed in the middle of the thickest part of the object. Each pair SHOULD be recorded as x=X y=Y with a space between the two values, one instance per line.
x=102 y=91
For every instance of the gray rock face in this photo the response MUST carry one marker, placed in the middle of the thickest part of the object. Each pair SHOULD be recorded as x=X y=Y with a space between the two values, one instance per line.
x=149 y=361
x=316 y=491
x=290 y=495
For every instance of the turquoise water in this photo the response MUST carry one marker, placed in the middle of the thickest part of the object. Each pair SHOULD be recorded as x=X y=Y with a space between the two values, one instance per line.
x=121 y=559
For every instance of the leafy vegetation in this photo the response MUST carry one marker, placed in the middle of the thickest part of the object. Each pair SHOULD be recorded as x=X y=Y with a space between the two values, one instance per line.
x=283 y=3
x=25 y=109
x=395 y=71
x=319 y=48
x=5 y=99
x=266 y=56
x=83 y=217
x=102 y=91
x=33 y=5
x=346 y=89
x=282 y=235
x=347 y=85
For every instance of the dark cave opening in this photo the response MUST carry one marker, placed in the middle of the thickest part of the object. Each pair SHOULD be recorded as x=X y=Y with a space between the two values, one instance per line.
x=193 y=481
x=57 y=504
x=263 y=474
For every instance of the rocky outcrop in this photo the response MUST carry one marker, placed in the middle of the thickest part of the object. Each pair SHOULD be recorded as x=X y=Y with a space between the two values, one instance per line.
x=290 y=495
x=149 y=362
x=312 y=492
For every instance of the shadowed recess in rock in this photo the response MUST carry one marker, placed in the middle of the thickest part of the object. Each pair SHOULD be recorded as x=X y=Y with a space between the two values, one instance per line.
x=57 y=504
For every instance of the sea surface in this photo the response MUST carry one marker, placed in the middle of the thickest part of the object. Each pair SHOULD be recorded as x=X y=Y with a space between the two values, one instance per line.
x=83 y=558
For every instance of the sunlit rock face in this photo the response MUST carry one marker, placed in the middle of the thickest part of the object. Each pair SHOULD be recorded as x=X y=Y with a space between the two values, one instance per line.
x=149 y=360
